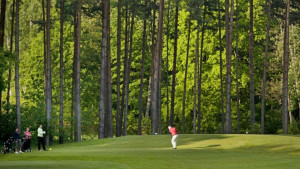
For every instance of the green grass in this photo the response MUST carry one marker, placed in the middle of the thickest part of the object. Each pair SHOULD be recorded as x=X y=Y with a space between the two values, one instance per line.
x=194 y=151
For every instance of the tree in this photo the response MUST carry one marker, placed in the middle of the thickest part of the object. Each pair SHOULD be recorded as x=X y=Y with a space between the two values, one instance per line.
x=17 y=76
x=156 y=68
x=285 y=71
x=61 y=51
x=265 y=69
x=185 y=75
x=77 y=74
x=251 y=56
x=228 y=23
x=142 y=75
x=237 y=69
x=174 y=64
x=118 y=116
x=168 y=36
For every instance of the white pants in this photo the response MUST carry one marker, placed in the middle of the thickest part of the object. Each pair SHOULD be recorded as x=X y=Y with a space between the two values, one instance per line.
x=173 y=141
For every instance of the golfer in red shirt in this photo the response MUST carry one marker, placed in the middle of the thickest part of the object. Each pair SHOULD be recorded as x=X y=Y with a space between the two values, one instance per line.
x=174 y=133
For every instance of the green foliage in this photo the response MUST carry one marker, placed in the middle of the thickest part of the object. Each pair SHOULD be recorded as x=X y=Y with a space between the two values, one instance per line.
x=293 y=127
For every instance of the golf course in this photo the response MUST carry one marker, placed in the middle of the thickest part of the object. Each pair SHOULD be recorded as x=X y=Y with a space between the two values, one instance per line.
x=194 y=151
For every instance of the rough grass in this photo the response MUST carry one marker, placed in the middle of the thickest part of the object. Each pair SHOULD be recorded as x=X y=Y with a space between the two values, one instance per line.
x=194 y=151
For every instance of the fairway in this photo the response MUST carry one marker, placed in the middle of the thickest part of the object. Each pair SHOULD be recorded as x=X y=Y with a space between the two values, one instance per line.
x=194 y=151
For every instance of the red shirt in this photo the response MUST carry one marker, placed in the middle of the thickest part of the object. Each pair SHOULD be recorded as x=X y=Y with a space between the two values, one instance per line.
x=173 y=131
x=27 y=135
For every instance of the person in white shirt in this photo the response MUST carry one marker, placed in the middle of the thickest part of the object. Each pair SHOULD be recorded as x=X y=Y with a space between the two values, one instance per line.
x=41 y=138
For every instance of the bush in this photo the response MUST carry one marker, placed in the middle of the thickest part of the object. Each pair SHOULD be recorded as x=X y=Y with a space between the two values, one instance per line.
x=293 y=127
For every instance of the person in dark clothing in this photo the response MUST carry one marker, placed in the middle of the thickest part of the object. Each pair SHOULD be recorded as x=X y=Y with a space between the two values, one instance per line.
x=18 y=141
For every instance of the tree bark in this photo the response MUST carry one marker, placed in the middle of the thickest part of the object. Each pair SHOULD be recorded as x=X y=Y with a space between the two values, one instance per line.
x=221 y=69
x=265 y=70
x=2 y=31
x=128 y=74
x=196 y=79
x=61 y=82
x=251 y=56
x=48 y=76
x=285 y=71
x=228 y=23
x=237 y=70
x=119 y=117
x=156 y=71
x=45 y=51
x=142 y=77
x=77 y=74
x=174 y=65
x=185 y=76
x=11 y=49
x=168 y=32
x=17 y=76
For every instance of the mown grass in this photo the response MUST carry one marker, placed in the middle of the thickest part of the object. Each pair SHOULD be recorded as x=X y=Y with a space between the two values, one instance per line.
x=194 y=151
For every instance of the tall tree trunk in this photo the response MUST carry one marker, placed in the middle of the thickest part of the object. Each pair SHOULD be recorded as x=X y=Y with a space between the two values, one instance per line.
x=119 y=117
x=48 y=76
x=125 y=66
x=251 y=57
x=156 y=70
x=108 y=123
x=61 y=82
x=105 y=123
x=128 y=74
x=196 y=79
x=142 y=76
x=168 y=32
x=45 y=51
x=2 y=31
x=237 y=70
x=17 y=76
x=77 y=74
x=265 y=69
x=285 y=71
x=150 y=93
x=11 y=49
x=73 y=132
x=185 y=76
x=221 y=68
x=174 y=65
x=228 y=23
x=200 y=73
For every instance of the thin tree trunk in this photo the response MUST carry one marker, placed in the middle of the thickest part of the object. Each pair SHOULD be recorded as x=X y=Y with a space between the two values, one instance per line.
x=17 y=76
x=174 y=65
x=221 y=68
x=11 y=49
x=251 y=56
x=125 y=67
x=168 y=32
x=142 y=76
x=200 y=73
x=196 y=78
x=128 y=74
x=77 y=74
x=45 y=50
x=237 y=70
x=48 y=77
x=265 y=70
x=119 y=117
x=185 y=76
x=285 y=71
x=108 y=125
x=61 y=85
x=228 y=23
x=73 y=132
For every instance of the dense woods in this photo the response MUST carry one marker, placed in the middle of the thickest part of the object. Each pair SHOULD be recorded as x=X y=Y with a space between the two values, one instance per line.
x=104 y=68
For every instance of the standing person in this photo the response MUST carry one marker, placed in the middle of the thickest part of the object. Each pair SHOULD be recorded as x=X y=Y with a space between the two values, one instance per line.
x=174 y=133
x=27 y=135
x=41 y=138
x=18 y=141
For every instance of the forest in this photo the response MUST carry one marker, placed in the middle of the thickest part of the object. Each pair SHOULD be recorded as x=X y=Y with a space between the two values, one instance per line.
x=105 y=68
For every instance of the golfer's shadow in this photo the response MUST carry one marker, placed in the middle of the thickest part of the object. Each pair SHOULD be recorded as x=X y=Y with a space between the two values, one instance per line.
x=210 y=146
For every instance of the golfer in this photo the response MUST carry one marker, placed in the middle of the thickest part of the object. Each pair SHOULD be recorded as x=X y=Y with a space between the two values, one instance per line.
x=41 y=138
x=174 y=133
